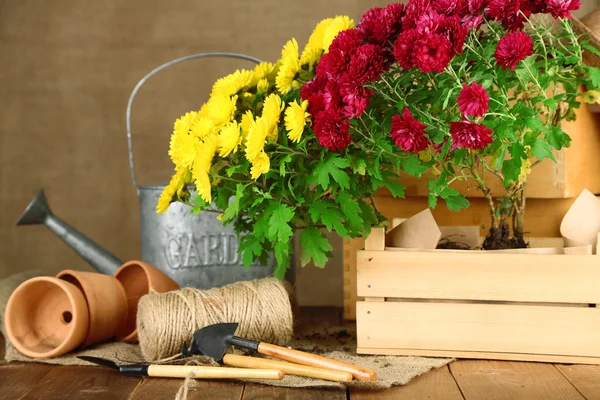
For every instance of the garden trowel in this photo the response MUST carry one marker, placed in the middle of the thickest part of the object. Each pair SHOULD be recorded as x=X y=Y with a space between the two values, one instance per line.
x=186 y=371
x=213 y=341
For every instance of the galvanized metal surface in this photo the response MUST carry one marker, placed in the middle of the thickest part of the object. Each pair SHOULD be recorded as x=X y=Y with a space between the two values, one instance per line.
x=194 y=250
x=38 y=212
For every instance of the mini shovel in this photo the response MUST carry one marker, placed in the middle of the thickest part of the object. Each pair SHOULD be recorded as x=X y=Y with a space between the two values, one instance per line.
x=213 y=340
x=187 y=371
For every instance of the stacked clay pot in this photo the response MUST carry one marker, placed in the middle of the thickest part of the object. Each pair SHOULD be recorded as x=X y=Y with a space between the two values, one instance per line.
x=50 y=316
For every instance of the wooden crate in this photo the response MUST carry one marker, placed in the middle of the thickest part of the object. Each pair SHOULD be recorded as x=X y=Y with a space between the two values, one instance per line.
x=542 y=219
x=548 y=180
x=477 y=304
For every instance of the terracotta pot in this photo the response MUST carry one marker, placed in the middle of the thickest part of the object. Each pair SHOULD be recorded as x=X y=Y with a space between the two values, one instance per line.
x=46 y=317
x=106 y=302
x=139 y=278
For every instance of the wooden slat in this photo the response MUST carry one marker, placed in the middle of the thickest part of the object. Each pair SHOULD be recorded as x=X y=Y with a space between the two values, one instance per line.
x=479 y=276
x=165 y=388
x=500 y=380
x=480 y=355
x=585 y=378
x=16 y=379
x=437 y=384
x=77 y=382
x=260 y=392
x=571 y=331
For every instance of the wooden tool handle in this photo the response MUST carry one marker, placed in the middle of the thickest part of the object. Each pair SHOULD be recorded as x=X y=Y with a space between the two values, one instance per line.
x=300 y=357
x=288 y=368
x=199 y=372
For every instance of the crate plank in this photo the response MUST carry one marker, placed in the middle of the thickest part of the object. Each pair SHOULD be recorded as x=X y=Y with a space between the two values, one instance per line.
x=501 y=328
x=480 y=355
x=165 y=388
x=77 y=382
x=479 y=276
x=585 y=378
x=437 y=384
x=260 y=392
x=500 y=380
x=18 y=378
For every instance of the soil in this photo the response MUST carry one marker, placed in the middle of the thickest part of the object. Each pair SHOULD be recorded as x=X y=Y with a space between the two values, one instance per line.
x=500 y=239
x=451 y=245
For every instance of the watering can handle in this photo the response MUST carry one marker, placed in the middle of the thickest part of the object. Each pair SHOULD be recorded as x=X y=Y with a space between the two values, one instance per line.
x=154 y=72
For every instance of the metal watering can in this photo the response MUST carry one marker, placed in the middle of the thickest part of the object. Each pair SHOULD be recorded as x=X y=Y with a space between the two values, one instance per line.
x=194 y=250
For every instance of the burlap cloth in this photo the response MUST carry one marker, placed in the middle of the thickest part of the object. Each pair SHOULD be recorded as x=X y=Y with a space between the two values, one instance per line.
x=335 y=342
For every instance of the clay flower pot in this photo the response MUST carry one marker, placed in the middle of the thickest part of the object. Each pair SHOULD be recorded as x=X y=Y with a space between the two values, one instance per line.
x=46 y=317
x=139 y=278
x=106 y=303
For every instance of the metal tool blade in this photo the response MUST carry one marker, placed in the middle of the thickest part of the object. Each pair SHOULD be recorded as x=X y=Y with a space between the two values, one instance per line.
x=213 y=340
x=100 y=361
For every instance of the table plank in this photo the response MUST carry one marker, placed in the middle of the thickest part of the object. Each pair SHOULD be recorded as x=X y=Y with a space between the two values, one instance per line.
x=259 y=392
x=165 y=388
x=17 y=378
x=78 y=382
x=437 y=384
x=500 y=380
x=585 y=378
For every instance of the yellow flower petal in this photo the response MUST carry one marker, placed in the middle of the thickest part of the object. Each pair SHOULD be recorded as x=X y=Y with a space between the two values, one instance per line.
x=178 y=181
x=290 y=65
x=255 y=141
x=339 y=23
x=296 y=118
x=203 y=186
x=272 y=108
x=221 y=108
x=232 y=83
x=247 y=120
x=229 y=139
x=260 y=165
x=206 y=151
x=262 y=86
x=203 y=127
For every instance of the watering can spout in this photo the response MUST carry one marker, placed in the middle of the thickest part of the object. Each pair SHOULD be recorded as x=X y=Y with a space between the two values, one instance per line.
x=38 y=212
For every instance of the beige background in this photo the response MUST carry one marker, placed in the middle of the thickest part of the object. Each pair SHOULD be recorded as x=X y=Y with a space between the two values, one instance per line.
x=67 y=69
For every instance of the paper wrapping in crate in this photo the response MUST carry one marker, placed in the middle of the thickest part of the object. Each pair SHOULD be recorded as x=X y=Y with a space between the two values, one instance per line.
x=574 y=170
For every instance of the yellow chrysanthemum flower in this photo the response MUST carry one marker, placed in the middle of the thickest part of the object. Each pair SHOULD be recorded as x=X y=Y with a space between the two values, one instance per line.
x=203 y=127
x=221 y=108
x=262 y=86
x=339 y=23
x=232 y=83
x=260 y=165
x=203 y=187
x=315 y=42
x=310 y=56
x=182 y=146
x=272 y=108
x=178 y=181
x=247 y=121
x=255 y=141
x=206 y=151
x=296 y=119
x=229 y=139
x=260 y=72
x=290 y=65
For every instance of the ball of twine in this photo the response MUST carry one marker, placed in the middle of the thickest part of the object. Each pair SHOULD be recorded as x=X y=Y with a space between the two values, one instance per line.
x=262 y=308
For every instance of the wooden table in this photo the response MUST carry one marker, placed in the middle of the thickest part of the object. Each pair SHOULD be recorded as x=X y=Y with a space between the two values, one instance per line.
x=463 y=379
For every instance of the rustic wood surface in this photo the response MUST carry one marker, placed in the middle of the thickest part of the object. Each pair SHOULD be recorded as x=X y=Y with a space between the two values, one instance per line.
x=462 y=379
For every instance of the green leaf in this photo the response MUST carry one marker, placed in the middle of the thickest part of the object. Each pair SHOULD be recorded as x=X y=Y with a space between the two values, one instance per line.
x=432 y=200
x=284 y=160
x=558 y=138
x=351 y=209
x=331 y=168
x=445 y=104
x=359 y=165
x=541 y=149
x=251 y=248
x=332 y=219
x=511 y=169
x=448 y=192
x=232 y=170
x=535 y=124
x=550 y=103
x=413 y=167
x=280 y=215
x=395 y=188
x=234 y=207
x=594 y=74
x=591 y=49
x=314 y=246
x=456 y=202
x=369 y=217
x=282 y=255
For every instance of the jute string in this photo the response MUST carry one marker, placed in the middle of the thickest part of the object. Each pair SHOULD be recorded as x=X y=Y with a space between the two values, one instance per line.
x=262 y=308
